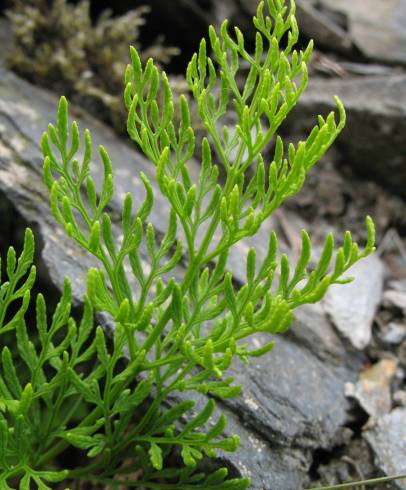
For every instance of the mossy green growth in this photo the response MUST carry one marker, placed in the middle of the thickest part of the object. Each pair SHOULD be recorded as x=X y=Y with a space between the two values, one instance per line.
x=181 y=321
x=57 y=44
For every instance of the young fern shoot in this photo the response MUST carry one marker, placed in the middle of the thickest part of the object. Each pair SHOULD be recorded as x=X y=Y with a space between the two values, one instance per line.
x=181 y=321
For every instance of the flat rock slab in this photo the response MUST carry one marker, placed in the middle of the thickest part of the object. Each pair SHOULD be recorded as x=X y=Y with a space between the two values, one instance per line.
x=376 y=27
x=373 y=141
x=388 y=442
x=293 y=400
x=352 y=308
x=316 y=24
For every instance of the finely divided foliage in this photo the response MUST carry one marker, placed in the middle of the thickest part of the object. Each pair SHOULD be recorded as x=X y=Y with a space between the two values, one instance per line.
x=180 y=322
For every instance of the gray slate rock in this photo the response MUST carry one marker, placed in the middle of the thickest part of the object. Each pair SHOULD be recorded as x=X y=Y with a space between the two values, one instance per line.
x=395 y=299
x=376 y=27
x=293 y=400
x=323 y=27
x=352 y=308
x=394 y=333
x=373 y=141
x=258 y=458
x=388 y=442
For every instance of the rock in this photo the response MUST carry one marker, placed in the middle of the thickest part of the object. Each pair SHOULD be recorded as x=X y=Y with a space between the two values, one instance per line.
x=357 y=462
x=323 y=27
x=388 y=442
x=398 y=285
x=285 y=417
x=370 y=69
x=269 y=466
x=402 y=353
x=394 y=333
x=375 y=27
x=352 y=308
x=372 y=391
x=399 y=397
x=24 y=112
x=393 y=298
x=373 y=140
x=258 y=458
x=184 y=22
x=279 y=399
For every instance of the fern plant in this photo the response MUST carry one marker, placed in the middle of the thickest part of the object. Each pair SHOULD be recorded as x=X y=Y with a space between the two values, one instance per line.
x=179 y=321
